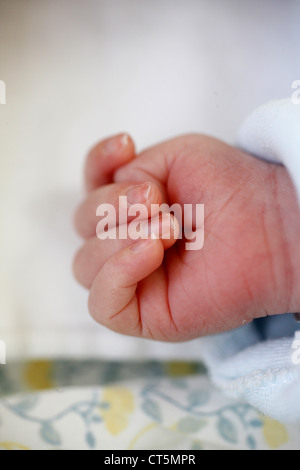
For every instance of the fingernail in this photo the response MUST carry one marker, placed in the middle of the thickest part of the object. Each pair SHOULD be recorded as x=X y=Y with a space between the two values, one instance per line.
x=141 y=245
x=160 y=227
x=124 y=140
x=115 y=143
x=139 y=194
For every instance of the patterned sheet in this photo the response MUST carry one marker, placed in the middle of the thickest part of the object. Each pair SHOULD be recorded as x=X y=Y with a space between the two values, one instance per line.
x=92 y=405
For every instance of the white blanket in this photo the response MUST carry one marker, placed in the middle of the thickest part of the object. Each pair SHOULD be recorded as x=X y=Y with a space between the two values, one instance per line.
x=273 y=132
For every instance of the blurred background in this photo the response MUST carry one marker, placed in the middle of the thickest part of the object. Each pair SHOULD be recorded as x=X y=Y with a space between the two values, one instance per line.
x=77 y=71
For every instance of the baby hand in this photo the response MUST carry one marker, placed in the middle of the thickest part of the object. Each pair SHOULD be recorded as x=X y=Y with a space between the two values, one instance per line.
x=155 y=287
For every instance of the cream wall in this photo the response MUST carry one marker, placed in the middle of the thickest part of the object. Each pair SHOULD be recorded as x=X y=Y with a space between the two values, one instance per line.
x=77 y=71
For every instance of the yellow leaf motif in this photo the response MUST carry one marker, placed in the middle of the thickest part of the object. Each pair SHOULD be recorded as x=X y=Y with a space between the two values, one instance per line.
x=37 y=375
x=120 y=404
x=180 y=369
x=12 y=446
x=275 y=433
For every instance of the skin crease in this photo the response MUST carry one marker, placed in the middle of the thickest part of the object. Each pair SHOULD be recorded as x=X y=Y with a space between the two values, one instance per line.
x=248 y=267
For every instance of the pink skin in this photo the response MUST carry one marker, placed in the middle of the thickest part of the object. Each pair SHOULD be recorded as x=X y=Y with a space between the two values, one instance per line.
x=248 y=267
